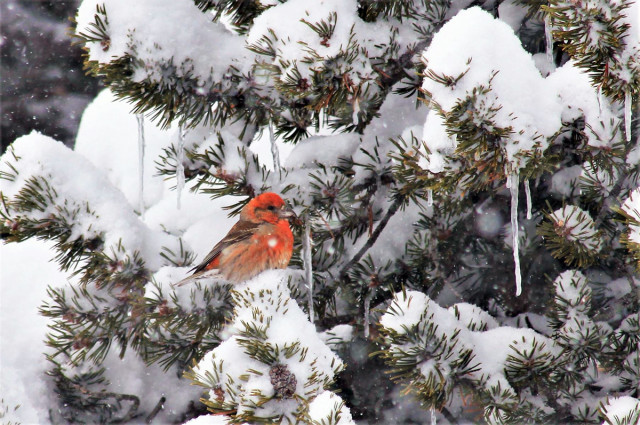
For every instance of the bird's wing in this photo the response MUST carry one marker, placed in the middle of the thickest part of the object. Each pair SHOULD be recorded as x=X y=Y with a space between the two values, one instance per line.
x=240 y=231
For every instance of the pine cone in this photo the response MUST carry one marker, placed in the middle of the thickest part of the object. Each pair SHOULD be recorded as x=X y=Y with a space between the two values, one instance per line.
x=283 y=381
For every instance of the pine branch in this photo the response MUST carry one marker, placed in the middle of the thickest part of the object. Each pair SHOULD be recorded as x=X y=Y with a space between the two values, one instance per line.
x=374 y=236
x=155 y=410
x=614 y=194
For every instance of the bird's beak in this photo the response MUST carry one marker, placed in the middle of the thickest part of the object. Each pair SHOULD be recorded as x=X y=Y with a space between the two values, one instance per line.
x=286 y=212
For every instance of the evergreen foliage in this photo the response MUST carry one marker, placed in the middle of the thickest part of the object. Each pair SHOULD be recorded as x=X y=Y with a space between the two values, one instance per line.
x=415 y=123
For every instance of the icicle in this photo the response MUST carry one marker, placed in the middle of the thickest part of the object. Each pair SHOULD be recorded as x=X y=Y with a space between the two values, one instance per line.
x=308 y=266
x=367 y=309
x=627 y=114
x=322 y=119
x=356 y=111
x=180 y=163
x=527 y=191
x=430 y=197
x=549 y=39
x=433 y=416
x=274 y=148
x=600 y=99
x=141 y=143
x=513 y=181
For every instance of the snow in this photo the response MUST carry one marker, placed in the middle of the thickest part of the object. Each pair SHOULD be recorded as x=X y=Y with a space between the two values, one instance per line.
x=564 y=182
x=325 y=406
x=201 y=221
x=513 y=13
x=23 y=365
x=618 y=288
x=297 y=40
x=489 y=221
x=307 y=153
x=131 y=375
x=473 y=317
x=580 y=99
x=440 y=144
x=337 y=335
x=92 y=213
x=390 y=244
x=261 y=147
x=571 y=286
x=202 y=49
x=528 y=105
x=576 y=225
x=492 y=357
x=109 y=143
x=631 y=207
x=264 y=302
x=414 y=311
x=107 y=137
x=399 y=117
x=209 y=294
x=405 y=311
x=105 y=178
x=103 y=173
x=209 y=420
x=629 y=55
x=617 y=409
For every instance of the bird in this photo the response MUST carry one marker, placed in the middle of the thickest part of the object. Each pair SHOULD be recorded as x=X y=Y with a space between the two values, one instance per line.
x=260 y=240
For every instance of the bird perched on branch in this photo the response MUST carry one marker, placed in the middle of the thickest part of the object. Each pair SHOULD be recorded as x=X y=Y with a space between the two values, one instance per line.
x=259 y=241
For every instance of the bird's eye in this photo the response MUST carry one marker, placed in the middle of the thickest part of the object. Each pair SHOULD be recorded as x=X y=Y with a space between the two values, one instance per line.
x=271 y=208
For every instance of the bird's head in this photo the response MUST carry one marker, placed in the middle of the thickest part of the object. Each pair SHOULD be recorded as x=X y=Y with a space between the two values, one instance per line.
x=266 y=207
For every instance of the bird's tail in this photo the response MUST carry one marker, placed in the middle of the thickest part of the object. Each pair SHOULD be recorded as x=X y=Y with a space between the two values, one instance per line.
x=201 y=275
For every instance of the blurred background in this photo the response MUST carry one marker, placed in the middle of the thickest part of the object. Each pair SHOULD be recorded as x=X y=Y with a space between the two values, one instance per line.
x=42 y=84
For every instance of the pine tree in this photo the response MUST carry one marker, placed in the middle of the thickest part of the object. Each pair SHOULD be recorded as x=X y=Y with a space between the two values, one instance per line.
x=425 y=284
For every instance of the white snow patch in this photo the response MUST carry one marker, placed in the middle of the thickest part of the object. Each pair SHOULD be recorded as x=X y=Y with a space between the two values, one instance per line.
x=528 y=105
x=107 y=137
x=326 y=405
x=23 y=288
x=203 y=49
x=75 y=181
x=618 y=408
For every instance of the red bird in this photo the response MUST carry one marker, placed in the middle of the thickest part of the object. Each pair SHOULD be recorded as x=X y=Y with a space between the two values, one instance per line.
x=259 y=241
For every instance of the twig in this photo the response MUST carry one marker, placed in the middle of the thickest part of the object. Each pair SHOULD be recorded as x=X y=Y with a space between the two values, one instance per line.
x=445 y=412
x=155 y=410
x=132 y=413
x=374 y=236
